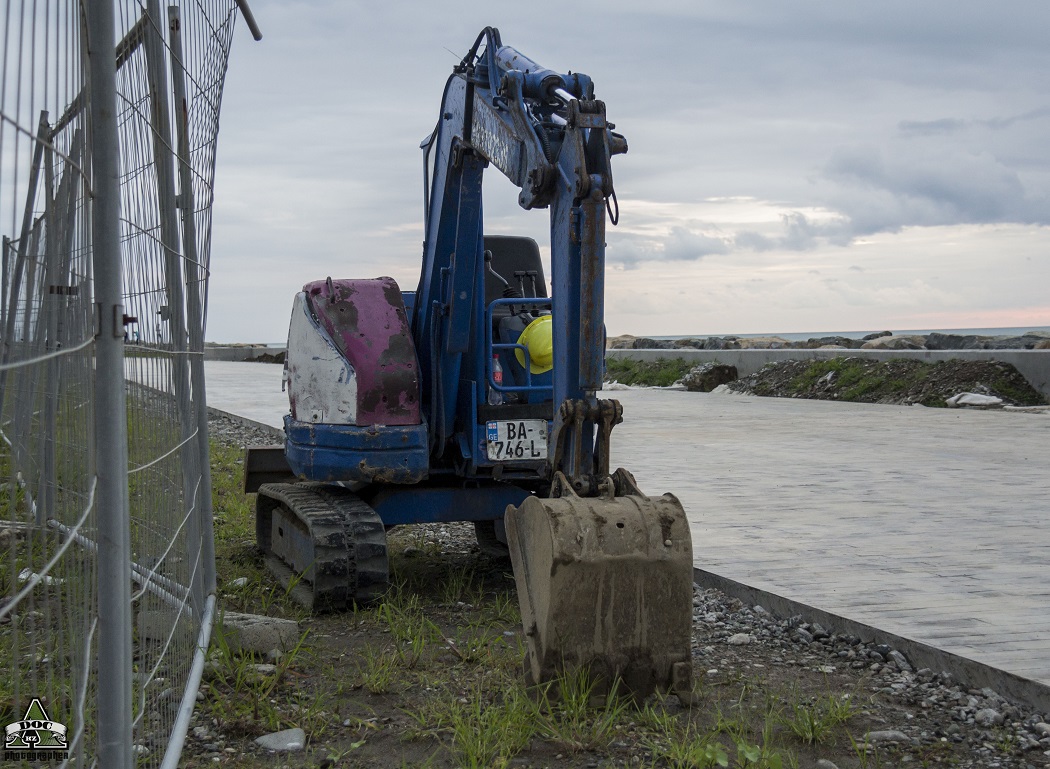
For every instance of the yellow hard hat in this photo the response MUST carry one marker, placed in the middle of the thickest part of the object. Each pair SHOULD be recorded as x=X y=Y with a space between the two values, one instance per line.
x=536 y=338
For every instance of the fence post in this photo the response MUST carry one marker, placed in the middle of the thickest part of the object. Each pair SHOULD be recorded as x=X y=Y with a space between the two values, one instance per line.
x=160 y=118
x=196 y=296
x=110 y=444
x=20 y=258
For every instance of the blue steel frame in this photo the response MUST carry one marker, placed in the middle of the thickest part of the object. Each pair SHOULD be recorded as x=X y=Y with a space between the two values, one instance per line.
x=433 y=504
x=484 y=361
x=548 y=135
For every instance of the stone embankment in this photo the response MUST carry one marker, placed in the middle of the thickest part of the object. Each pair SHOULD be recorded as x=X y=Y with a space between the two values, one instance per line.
x=952 y=383
x=885 y=340
x=1029 y=353
x=911 y=709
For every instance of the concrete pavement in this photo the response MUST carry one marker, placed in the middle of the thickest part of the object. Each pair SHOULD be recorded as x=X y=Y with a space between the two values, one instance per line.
x=928 y=524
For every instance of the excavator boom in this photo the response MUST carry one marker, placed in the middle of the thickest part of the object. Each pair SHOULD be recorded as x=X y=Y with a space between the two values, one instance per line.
x=603 y=572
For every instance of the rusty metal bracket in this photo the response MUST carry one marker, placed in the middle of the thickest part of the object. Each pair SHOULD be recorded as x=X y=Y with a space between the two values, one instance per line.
x=573 y=465
x=611 y=414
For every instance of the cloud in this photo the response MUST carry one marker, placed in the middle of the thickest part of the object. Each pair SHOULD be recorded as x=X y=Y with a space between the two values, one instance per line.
x=772 y=128
x=943 y=126
x=880 y=190
x=686 y=245
x=924 y=181
x=680 y=244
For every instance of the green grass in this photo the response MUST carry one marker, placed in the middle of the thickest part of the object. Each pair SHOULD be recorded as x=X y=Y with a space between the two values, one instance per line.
x=857 y=379
x=439 y=658
x=853 y=377
x=489 y=731
x=657 y=373
x=818 y=720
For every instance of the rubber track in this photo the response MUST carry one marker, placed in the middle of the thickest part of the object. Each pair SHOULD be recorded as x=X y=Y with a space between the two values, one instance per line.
x=367 y=539
x=349 y=563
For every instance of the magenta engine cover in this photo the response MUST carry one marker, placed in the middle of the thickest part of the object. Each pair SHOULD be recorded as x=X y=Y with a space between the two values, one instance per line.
x=366 y=320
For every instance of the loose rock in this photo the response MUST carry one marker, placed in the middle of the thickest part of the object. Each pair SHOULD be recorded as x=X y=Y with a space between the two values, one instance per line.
x=254 y=633
x=707 y=376
x=289 y=740
x=988 y=717
x=887 y=736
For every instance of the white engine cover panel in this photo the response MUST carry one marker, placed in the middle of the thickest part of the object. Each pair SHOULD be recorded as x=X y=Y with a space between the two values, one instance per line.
x=322 y=385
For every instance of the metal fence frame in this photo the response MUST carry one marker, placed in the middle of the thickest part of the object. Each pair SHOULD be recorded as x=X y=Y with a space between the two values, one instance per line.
x=107 y=588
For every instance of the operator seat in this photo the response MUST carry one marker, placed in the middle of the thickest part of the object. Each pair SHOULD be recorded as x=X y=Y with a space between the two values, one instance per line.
x=515 y=254
x=510 y=254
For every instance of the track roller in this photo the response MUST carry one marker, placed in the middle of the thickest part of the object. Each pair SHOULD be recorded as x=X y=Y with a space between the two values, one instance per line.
x=323 y=543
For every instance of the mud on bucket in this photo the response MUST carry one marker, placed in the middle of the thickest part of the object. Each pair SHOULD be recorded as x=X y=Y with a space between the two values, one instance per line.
x=605 y=584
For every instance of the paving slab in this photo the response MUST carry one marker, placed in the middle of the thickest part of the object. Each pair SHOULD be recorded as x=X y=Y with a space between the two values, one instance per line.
x=928 y=524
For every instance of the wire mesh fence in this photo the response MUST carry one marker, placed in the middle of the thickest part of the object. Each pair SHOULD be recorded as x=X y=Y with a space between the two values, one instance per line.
x=60 y=625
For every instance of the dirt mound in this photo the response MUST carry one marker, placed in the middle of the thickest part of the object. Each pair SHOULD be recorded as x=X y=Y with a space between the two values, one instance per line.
x=894 y=381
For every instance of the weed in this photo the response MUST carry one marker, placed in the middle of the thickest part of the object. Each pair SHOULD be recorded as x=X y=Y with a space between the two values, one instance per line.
x=486 y=734
x=690 y=751
x=457 y=582
x=654 y=716
x=757 y=756
x=573 y=719
x=412 y=631
x=681 y=750
x=504 y=609
x=235 y=540
x=865 y=753
x=473 y=644
x=734 y=729
x=486 y=731
x=378 y=669
x=815 y=722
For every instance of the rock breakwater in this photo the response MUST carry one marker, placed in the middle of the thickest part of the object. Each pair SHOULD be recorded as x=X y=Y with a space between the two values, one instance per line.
x=885 y=340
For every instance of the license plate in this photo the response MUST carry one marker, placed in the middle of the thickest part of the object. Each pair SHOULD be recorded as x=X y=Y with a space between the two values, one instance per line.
x=524 y=439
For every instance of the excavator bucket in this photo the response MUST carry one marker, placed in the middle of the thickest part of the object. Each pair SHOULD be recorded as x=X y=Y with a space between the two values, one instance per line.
x=605 y=584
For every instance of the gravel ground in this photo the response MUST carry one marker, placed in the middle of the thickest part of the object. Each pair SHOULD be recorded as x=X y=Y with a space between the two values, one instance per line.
x=914 y=717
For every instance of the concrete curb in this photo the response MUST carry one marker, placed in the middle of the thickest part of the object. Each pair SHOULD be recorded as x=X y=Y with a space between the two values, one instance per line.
x=239 y=353
x=276 y=432
x=972 y=674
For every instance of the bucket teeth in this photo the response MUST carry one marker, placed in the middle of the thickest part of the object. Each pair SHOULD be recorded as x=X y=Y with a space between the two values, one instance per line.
x=605 y=584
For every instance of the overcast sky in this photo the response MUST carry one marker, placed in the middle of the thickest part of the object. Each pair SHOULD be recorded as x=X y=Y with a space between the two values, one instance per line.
x=793 y=166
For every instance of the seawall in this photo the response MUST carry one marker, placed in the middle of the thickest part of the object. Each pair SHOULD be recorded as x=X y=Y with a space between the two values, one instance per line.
x=238 y=352
x=1034 y=365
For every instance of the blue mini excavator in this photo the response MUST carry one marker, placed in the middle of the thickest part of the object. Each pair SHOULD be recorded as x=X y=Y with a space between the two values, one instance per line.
x=474 y=397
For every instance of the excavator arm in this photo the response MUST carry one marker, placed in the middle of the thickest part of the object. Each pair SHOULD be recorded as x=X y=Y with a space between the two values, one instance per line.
x=547 y=133
x=604 y=573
